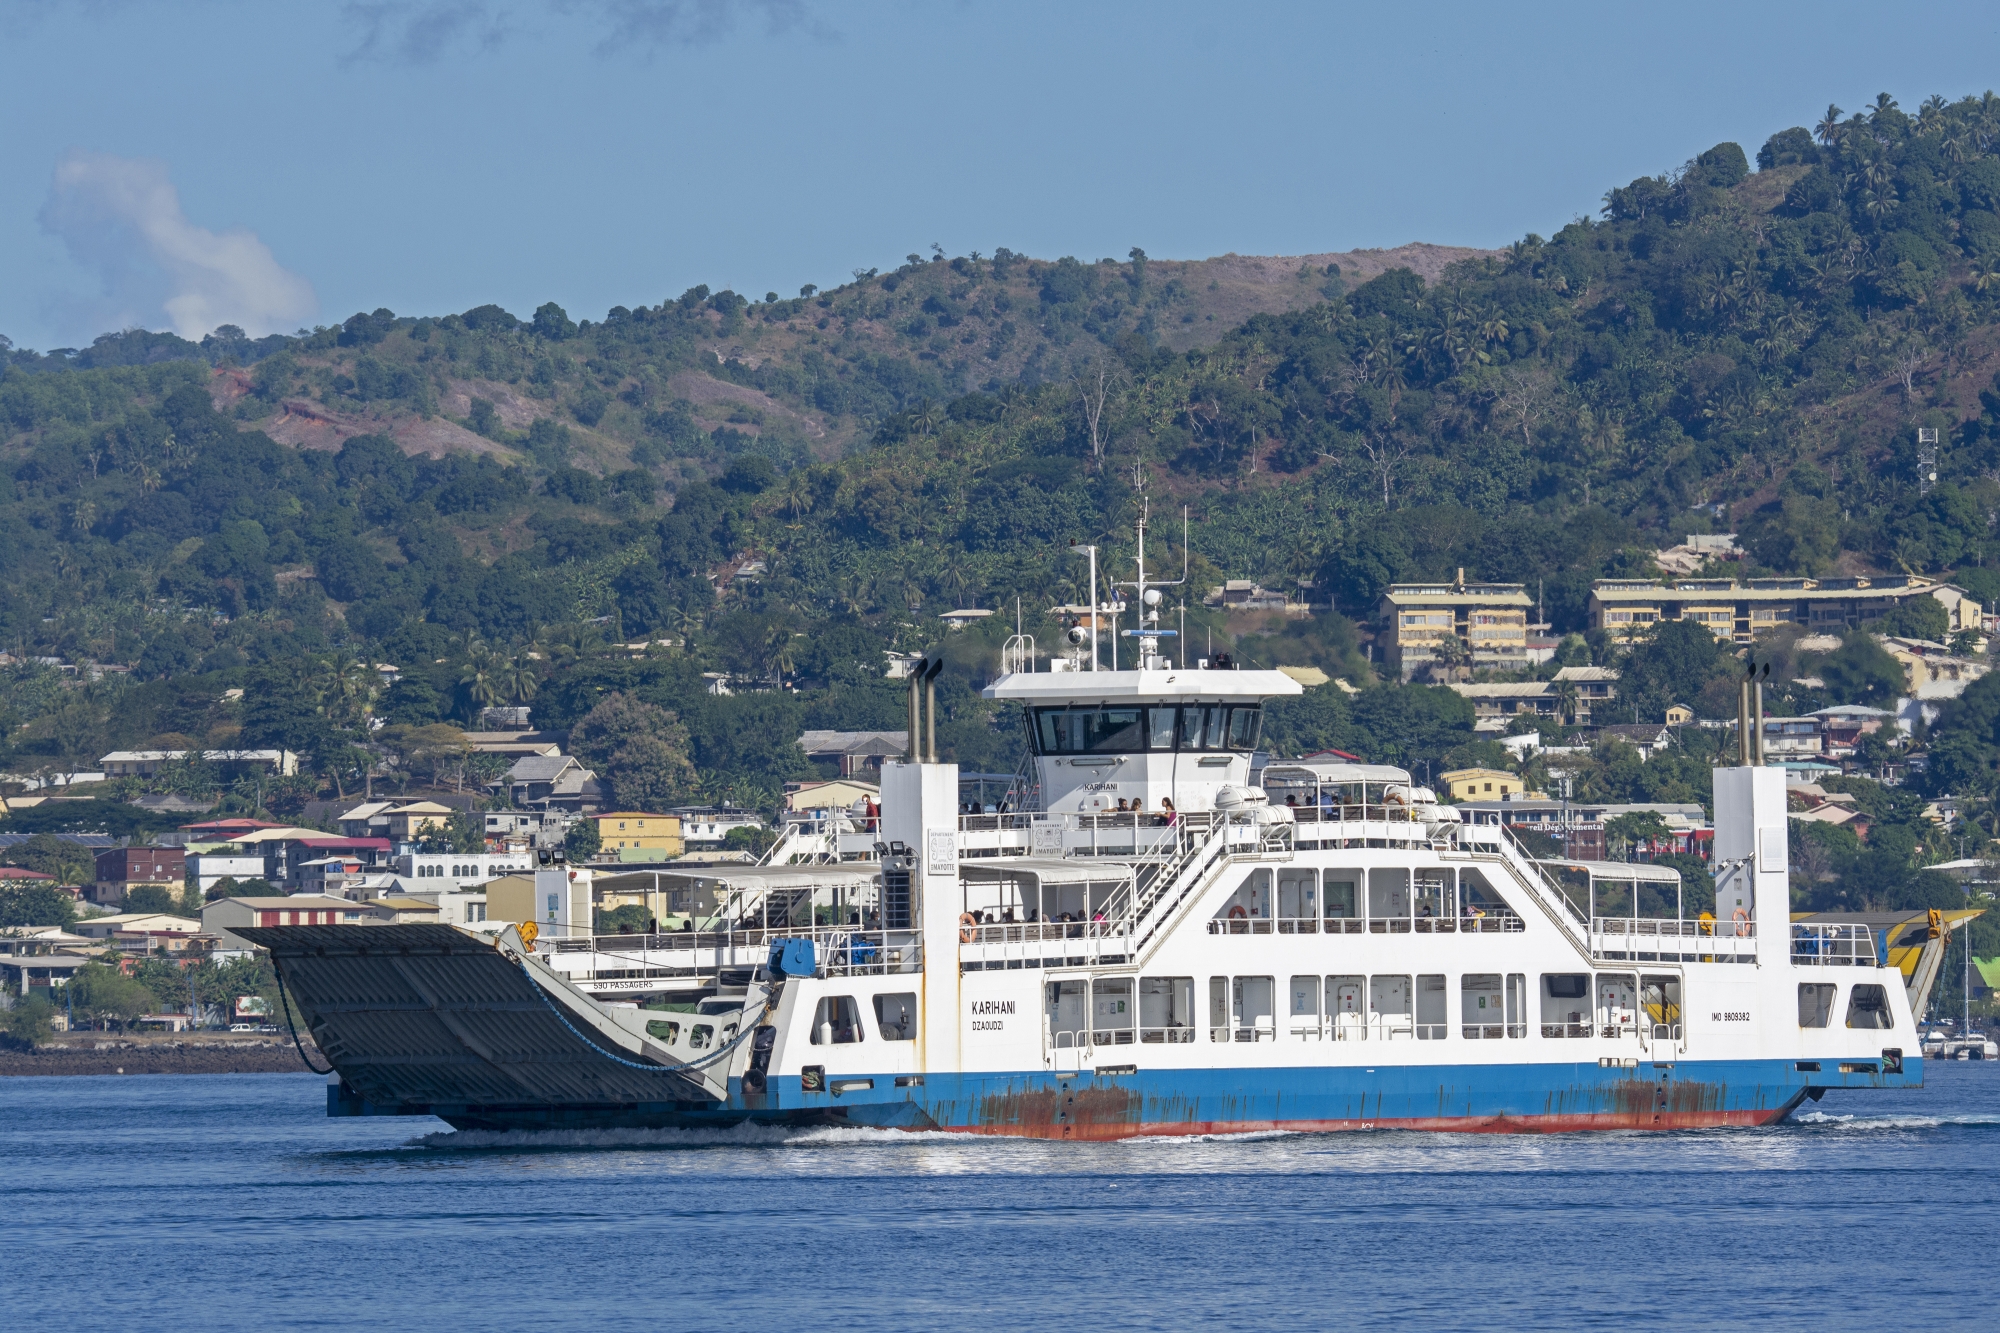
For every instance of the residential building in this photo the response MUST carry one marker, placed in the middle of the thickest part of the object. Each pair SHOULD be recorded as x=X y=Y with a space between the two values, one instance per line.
x=820 y=797
x=1793 y=738
x=1932 y=670
x=1647 y=738
x=1490 y=621
x=1245 y=595
x=105 y=927
x=1736 y=610
x=1472 y=784
x=211 y=868
x=122 y=869
x=1595 y=688
x=221 y=917
x=399 y=911
x=553 y=782
x=856 y=752
x=1843 y=726
x=148 y=763
x=523 y=830
x=455 y=872
x=704 y=827
x=1499 y=701
x=635 y=835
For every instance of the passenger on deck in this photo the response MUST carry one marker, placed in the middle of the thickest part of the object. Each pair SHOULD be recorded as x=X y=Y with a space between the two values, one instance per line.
x=1124 y=806
x=1167 y=804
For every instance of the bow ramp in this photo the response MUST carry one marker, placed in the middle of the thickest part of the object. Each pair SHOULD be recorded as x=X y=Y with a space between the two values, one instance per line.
x=430 y=1020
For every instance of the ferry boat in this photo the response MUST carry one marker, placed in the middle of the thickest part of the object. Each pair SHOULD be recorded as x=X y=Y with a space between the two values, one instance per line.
x=1142 y=940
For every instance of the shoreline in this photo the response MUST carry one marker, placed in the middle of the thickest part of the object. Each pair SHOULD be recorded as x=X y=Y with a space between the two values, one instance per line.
x=103 y=1053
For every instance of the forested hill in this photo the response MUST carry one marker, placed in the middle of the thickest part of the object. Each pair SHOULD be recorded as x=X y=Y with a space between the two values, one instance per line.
x=1723 y=349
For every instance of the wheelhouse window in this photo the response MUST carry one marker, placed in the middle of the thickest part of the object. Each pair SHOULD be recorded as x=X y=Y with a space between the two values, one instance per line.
x=1141 y=729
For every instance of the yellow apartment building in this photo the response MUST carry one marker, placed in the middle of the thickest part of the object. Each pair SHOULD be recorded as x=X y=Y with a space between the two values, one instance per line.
x=1737 y=610
x=636 y=835
x=1490 y=619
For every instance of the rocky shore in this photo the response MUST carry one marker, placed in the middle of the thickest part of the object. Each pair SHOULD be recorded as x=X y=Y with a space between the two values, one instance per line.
x=99 y=1053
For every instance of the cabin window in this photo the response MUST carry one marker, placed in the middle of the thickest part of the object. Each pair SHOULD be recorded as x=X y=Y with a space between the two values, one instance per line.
x=1389 y=1007
x=1432 y=1003
x=1816 y=1003
x=1251 y=1012
x=1166 y=1009
x=702 y=1034
x=1388 y=899
x=1340 y=894
x=1160 y=728
x=1868 y=1007
x=1305 y=1007
x=1248 y=910
x=1298 y=903
x=1218 y=1008
x=1434 y=895
x=837 y=1021
x=1111 y=1014
x=896 y=1016
x=1479 y=1006
x=1565 y=1004
x=1068 y=1003
x=1347 y=1008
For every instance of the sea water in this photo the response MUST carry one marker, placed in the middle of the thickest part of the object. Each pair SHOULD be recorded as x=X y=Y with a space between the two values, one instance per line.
x=231 y=1202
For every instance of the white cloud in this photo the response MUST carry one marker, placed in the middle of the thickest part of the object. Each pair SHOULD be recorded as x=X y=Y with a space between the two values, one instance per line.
x=122 y=217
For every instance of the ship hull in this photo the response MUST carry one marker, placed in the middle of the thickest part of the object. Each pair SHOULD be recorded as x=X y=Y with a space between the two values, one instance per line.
x=1480 y=1099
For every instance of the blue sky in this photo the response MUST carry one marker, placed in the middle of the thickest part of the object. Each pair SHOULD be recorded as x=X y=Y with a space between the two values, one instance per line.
x=281 y=164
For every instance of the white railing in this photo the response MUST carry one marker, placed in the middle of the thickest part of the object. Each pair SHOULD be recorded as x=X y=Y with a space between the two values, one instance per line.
x=1499 y=922
x=1834 y=946
x=1643 y=939
x=838 y=950
x=1046 y=943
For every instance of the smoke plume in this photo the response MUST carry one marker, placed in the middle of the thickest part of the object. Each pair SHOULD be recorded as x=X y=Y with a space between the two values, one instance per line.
x=122 y=217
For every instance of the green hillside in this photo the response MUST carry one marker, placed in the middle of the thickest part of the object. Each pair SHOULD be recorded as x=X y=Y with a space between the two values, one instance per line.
x=470 y=496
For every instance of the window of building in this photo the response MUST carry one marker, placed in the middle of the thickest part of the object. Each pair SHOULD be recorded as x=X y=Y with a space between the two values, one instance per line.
x=896 y=1016
x=837 y=1021
x=1166 y=1009
x=1868 y=1007
x=1816 y=1003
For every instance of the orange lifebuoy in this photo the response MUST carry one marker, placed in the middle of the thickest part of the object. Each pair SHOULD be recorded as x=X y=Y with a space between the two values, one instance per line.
x=1742 y=920
x=1237 y=913
x=967 y=924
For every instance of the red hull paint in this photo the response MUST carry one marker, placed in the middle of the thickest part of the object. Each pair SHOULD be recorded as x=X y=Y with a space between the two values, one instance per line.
x=1553 y=1124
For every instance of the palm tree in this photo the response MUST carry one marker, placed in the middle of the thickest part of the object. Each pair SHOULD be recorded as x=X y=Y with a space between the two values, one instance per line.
x=520 y=680
x=1828 y=129
x=483 y=676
